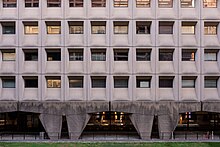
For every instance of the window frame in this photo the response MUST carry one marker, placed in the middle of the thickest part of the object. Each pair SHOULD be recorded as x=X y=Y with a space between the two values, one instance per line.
x=9 y=3
x=77 y=54
x=76 y=27
x=143 y=3
x=146 y=80
x=76 y=81
x=76 y=3
x=119 y=80
x=98 y=3
x=98 y=82
x=211 y=51
x=192 y=53
x=164 y=80
x=12 y=54
x=184 y=3
x=206 y=4
x=210 y=78
x=162 y=4
x=146 y=57
x=55 y=82
x=121 y=54
x=8 y=79
x=166 y=51
x=31 y=3
x=53 y=3
x=120 y=3
x=98 y=54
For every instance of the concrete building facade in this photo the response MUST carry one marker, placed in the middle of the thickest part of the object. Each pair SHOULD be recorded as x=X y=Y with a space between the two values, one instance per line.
x=79 y=58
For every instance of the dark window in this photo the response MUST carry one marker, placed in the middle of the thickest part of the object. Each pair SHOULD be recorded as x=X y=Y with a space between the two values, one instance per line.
x=166 y=27
x=188 y=55
x=143 y=82
x=53 y=3
x=76 y=3
x=120 y=82
x=166 y=82
x=8 y=82
x=76 y=82
x=143 y=54
x=75 y=27
x=53 y=54
x=75 y=54
x=211 y=82
x=120 y=54
x=98 y=54
x=9 y=3
x=98 y=3
x=31 y=3
x=30 y=55
x=166 y=54
x=30 y=82
x=98 y=82
x=8 y=27
x=143 y=27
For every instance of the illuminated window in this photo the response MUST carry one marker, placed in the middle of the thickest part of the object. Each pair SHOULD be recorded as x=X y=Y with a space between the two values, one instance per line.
x=121 y=27
x=209 y=3
x=8 y=82
x=188 y=54
x=211 y=82
x=143 y=82
x=142 y=3
x=8 y=55
x=187 y=3
x=98 y=3
x=30 y=28
x=9 y=3
x=75 y=27
x=120 y=3
x=53 y=27
x=210 y=28
x=165 y=3
x=76 y=3
x=75 y=54
x=166 y=27
x=31 y=3
x=188 y=82
x=211 y=55
x=166 y=54
x=98 y=54
x=98 y=82
x=53 y=3
x=76 y=82
x=98 y=27
x=53 y=82
x=188 y=28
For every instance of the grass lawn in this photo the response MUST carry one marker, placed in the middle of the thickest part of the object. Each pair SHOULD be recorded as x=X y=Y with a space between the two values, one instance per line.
x=111 y=144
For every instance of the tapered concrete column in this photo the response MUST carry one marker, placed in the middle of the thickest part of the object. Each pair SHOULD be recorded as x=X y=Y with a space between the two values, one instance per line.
x=52 y=124
x=76 y=124
x=143 y=124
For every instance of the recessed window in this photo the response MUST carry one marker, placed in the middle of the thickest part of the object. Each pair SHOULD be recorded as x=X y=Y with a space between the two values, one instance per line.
x=121 y=27
x=30 y=82
x=188 y=28
x=76 y=27
x=53 y=82
x=53 y=54
x=121 y=82
x=211 y=82
x=30 y=54
x=143 y=3
x=166 y=54
x=188 y=54
x=76 y=3
x=143 y=82
x=30 y=28
x=166 y=82
x=209 y=3
x=98 y=3
x=53 y=27
x=143 y=54
x=8 y=27
x=120 y=3
x=98 y=54
x=9 y=3
x=165 y=3
x=98 y=27
x=143 y=27
x=53 y=3
x=76 y=82
x=98 y=82
x=211 y=55
x=31 y=3
x=8 y=82
x=8 y=55
x=75 y=54
x=187 y=3
x=188 y=82
x=210 y=28
x=121 y=54
x=166 y=27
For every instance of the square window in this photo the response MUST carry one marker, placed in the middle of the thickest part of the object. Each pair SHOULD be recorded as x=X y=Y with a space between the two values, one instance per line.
x=166 y=82
x=98 y=3
x=98 y=54
x=143 y=54
x=121 y=54
x=75 y=54
x=120 y=3
x=143 y=82
x=30 y=82
x=8 y=55
x=53 y=82
x=188 y=54
x=30 y=28
x=53 y=54
x=8 y=27
x=142 y=3
x=53 y=27
x=210 y=28
x=31 y=3
x=211 y=82
x=76 y=82
x=210 y=55
x=188 y=82
x=98 y=82
x=75 y=3
x=98 y=27
x=8 y=82
x=121 y=82
x=188 y=28
x=75 y=27
x=166 y=54
x=165 y=3
x=121 y=27
x=187 y=3
x=53 y=3
x=30 y=55
x=210 y=3
x=9 y=3
x=143 y=27
x=166 y=27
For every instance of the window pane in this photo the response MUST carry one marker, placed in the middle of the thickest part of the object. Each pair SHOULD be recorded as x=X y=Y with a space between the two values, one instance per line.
x=75 y=82
x=187 y=3
x=8 y=55
x=76 y=55
x=120 y=55
x=120 y=83
x=97 y=55
x=142 y=3
x=120 y=3
x=76 y=27
x=8 y=27
x=165 y=55
x=143 y=27
x=209 y=3
x=98 y=82
x=98 y=3
x=98 y=28
x=188 y=55
x=31 y=3
x=76 y=3
x=31 y=55
x=211 y=83
x=53 y=3
x=53 y=55
x=31 y=83
x=8 y=83
x=190 y=83
x=143 y=55
x=210 y=56
x=30 y=29
x=188 y=29
x=166 y=82
x=165 y=3
x=165 y=27
x=210 y=30
x=53 y=83
x=53 y=29
x=10 y=3
x=143 y=82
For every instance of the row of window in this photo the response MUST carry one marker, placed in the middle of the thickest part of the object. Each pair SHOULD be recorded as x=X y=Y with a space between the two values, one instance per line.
x=120 y=27
x=116 y=3
x=142 y=54
x=119 y=82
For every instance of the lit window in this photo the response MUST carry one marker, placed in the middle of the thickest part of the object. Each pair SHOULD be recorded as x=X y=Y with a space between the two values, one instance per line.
x=166 y=54
x=210 y=55
x=8 y=27
x=120 y=3
x=30 y=28
x=210 y=28
x=209 y=3
x=98 y=82
x=8 y=55
x=53 y=54
x=53 y=27
x=75 y=54
x=143 y=54
x=76 y=27
x=211 y=82
x=30 y=82
x=9 y=3
x=8 y=82
x=165 y=3
x=76 y=82
x=76 y=3
x=187 y=3
x=143 y=27
x=188 y=28
x=188 y=82
x=121 y=27
x=121 y=54
x=98 y=3
x=166 y=27
x=166 y=82
x=188 y=54
x=121 y=82
x=31 y=3
x=53 y=3
x=30 y=55
x=98 y=27
x=143 y=82
x=53 y=82
x=142 y=3
x=98 y=54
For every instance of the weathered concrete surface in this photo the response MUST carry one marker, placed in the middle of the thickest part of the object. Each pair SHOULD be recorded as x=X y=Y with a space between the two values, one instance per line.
x=211 y=106
x=8 y=107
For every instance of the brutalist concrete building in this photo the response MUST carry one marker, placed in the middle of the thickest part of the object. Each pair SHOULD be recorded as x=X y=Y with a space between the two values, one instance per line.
x=76 y=68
